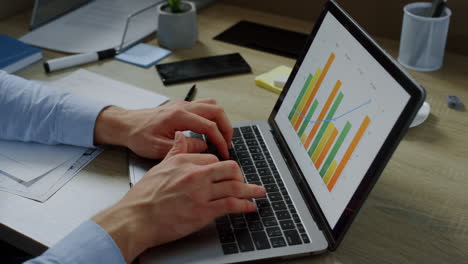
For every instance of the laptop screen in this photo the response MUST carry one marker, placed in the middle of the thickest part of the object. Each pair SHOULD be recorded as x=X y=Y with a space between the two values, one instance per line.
x=337 y=113
x=47 y=10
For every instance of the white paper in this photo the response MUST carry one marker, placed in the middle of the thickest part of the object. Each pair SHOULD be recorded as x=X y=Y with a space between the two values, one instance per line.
x=42 y=188
x=96 y=26
x=27 y=161
x=109 y=91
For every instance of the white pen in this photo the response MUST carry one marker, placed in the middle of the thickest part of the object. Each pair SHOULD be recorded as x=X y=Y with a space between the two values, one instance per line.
x=79 y=59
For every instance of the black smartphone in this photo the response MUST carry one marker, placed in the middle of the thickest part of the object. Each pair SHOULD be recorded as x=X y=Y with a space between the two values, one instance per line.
x=201 y=68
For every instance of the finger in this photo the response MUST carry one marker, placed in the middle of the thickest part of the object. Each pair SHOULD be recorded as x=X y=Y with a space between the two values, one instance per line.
x=214 y=113
x=201 y=125
x=205 y=101
x=196 y=145
x=180 y=145
x=224 y=171
x=231 y=205
x=236 y=189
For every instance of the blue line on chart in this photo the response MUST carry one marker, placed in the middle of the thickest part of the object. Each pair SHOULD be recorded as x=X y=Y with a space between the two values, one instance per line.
x=338 y=117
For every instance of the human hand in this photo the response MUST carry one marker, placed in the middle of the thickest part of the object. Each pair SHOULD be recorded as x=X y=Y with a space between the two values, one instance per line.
x=150 y=132
x=181 y=195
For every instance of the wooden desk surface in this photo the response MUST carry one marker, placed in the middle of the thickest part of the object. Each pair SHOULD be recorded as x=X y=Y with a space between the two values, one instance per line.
x=417 y=213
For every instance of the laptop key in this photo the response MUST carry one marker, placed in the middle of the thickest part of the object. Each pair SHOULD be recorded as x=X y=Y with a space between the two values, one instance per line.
x=237 y=132
x=227 y=238
x=277 y=242
x=269 y=221
x=251 y=142
x=257 y=156
x=292 y=237
x=287 y=199
x=271 y=188
x=255 y=226
x=260 y=240
x=252 y=177
x=240 y=147
x=300 y=228
x=244 y=240
x=230 y=248
x=296 y=218
x=224 y=228
x=274 y=231
x=237 y=141
x=239 y=223
x=282 y=215
x=287 y=225
x=264 y=171
x=275 y=196
x=267 y=180
x=246 y=129
x=255 y=150
x=243 y=155
x=246 y=162
x=305 y=238
x=278 y=205
x=249 y=169
x=248 y=135
x=266 y=212
x=262 y=203
x=253 y=216
x=261 y=164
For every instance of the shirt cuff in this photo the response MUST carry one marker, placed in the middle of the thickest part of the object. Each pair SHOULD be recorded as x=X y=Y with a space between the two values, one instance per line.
x=88 y=243
x=77 y=120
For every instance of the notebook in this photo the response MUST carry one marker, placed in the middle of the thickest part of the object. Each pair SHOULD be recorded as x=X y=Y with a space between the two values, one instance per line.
x=340 y=116
x=16 y=55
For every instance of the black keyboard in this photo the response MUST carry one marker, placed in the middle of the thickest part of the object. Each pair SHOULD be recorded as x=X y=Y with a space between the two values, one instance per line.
x=276 y=223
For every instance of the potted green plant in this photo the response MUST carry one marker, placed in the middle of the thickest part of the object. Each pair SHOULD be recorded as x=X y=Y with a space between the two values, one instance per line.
x=177 y=24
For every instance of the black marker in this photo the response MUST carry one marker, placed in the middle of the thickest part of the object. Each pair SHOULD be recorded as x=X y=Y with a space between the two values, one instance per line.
x=191 y=94
x=79 y=59
x=438 y=7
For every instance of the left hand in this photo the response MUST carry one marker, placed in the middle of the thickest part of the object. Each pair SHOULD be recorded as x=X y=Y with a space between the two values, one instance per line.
x=150 y=132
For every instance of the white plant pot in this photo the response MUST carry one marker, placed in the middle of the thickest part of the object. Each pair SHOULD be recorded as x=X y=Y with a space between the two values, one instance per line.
x=177 y=30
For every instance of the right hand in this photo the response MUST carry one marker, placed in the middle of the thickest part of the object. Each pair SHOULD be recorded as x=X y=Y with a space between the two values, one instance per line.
x=179 y=196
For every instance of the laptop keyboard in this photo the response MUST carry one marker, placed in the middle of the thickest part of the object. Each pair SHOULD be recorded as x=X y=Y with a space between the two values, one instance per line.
x=276 y=223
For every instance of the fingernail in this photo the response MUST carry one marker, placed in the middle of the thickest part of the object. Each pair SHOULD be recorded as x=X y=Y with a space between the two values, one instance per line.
x=177 y=136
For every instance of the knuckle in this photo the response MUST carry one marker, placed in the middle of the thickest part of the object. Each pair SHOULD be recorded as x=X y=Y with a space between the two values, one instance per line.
x=211 y=100
x=211 y=158
x=212 y=125
x=236 y=189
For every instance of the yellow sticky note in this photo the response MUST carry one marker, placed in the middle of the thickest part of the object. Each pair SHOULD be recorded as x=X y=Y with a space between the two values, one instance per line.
x=267 y=79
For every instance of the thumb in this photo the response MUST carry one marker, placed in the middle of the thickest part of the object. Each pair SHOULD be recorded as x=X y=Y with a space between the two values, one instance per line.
x=195 y=145
x=180 y=145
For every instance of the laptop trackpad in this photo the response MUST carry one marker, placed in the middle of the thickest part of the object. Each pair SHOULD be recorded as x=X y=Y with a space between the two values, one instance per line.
x=200 y=247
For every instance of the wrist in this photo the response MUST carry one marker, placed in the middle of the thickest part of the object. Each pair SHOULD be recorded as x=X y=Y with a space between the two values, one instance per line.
x=110 y=127
x=121 y=223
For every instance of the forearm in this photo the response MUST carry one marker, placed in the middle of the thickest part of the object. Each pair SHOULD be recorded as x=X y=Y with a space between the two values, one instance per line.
x=88 y=243
x=31 y=111
x=112 y=127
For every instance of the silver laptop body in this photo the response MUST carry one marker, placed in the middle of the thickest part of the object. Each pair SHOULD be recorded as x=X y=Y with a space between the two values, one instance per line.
x=323 y=181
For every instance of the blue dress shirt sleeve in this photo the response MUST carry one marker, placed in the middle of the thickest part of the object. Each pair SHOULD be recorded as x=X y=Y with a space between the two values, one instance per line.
x=87 y=244
x=32 y=111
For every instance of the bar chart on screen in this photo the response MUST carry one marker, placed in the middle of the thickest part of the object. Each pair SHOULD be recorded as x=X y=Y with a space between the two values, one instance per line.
x=314 y=121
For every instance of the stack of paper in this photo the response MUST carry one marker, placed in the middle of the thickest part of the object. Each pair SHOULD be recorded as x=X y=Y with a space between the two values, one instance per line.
x=37 y=171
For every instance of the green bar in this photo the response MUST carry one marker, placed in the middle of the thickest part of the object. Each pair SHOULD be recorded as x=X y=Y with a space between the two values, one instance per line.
x=298 y=100
x=335 y=148
x=306 y=120
x=325 y=124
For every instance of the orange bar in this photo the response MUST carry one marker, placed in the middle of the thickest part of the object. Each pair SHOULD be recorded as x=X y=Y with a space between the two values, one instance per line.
x=348 y=153
x=314 y=92
x=326 y=148
x=330 y=99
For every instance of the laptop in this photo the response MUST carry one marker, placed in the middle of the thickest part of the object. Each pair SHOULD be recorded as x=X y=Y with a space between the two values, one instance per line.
x=341 y=115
